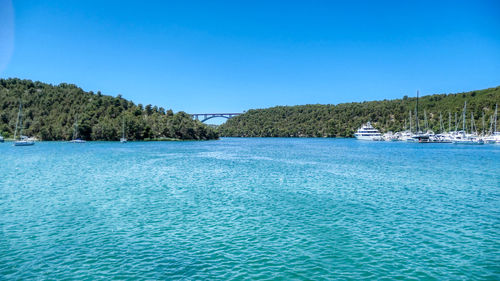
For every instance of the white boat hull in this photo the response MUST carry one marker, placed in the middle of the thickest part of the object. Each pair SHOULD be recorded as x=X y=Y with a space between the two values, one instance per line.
x=368 y=133
x=494 y=139
x=469 y=142
x=23 y=143
x=369 y=138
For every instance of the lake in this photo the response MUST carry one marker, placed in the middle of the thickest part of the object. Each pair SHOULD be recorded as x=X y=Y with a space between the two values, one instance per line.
x=254 y=209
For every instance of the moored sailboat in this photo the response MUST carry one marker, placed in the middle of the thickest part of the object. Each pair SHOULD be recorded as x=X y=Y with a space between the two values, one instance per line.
x=123 y=139
x=494 y=137
x=76 y=139
x=419 y=136
x=23 y=140
x=462 y=137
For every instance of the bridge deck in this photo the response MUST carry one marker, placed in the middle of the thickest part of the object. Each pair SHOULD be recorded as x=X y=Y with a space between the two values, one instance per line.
x=207 y=116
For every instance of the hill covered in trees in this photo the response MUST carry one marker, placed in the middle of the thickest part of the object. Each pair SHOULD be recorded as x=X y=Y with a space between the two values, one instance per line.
x=342 y=120
x=50 y=111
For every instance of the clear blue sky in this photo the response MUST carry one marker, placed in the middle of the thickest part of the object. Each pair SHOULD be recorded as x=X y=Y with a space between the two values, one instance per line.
x=229 y=56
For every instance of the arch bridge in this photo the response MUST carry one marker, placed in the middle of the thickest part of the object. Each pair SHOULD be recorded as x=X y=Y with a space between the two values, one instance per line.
x=207 y=116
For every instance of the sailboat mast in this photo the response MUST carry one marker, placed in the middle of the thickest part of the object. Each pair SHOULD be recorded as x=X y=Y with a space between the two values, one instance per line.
x=416 y=114
x=410 y=122
x=471 y=122
x=496 y=116
x=491 y=124
x=449 y=121
x=18 y=119
x=123 y=128
x=456 y=122
x=482 y=132
x=463 y=125
x=75 y=128
x=425 y=121
x=441 y=126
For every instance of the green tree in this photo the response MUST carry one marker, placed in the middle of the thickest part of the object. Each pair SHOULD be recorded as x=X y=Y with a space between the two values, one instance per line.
x=49 y=114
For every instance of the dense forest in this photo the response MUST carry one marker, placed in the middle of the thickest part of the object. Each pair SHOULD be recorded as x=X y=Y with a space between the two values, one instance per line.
x=342 y=120
x=49 y=113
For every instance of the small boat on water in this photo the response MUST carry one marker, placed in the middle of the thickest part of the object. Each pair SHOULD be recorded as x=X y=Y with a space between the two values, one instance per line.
x=23 y=140
x=441 y=138
x=369 y=133
x=462 y=137
x=76 y=139
x=437 y=138
x=447 y=137
x=405 y=136
x=494 y=137
x=390 y=136
x=1 y=139
x=419 y=136
x=123 y=139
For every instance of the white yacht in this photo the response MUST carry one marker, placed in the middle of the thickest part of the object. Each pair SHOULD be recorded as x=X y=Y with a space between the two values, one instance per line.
x=493 y=139
x=405 y=135
x=390 y=136
x=448 y=137
x=1 y=139
x=419 y=137
x=441 y=138
x=367 y=132
x=464 y=138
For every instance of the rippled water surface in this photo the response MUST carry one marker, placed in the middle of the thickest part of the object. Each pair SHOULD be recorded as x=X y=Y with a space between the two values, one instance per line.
x=250 y=209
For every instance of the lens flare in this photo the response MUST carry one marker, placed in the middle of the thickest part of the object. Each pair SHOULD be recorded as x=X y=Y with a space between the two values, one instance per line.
x=6 y=33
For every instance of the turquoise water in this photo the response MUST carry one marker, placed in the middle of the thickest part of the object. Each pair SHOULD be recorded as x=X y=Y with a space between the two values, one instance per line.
x=250 y=209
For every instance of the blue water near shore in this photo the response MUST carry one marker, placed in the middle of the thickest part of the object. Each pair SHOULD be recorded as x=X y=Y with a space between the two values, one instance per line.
x=260 y=209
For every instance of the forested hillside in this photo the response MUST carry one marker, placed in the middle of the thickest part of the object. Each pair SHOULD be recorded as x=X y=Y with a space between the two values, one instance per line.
x=343 y=120
x=50 y=112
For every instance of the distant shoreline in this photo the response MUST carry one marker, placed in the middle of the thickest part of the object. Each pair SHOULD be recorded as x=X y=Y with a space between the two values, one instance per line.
x=65 y=111
x=151 y=140
x=438 y=112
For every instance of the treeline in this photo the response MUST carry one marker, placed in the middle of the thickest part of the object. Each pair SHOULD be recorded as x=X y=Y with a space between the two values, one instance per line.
x=343 y=120
x=50 y=112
